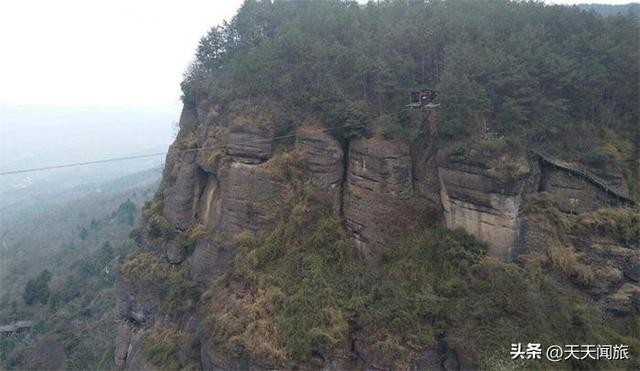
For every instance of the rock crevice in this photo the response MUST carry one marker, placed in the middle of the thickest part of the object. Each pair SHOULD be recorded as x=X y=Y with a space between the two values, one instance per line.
x=382 y=188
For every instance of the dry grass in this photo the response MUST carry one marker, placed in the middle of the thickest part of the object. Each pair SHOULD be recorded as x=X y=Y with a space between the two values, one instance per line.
x=239 y=318
x=144 y=266
x=154 y=223
x=285 y=167
x=188 y=140
x=621 y=224
x=564 y=260
x=173 y=286
x=195 y=232
x=160 y=345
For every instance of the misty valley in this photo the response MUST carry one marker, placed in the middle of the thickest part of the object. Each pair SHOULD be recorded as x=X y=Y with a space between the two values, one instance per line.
x=341 y=185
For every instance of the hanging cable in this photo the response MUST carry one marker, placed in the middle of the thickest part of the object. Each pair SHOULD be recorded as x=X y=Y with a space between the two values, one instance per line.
x=126 y=158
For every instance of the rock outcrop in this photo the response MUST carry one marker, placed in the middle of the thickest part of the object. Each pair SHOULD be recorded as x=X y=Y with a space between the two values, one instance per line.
x=249 y=141
x=221 y=180
x=482 y=203
x=246 y=192
x=123 y=339
x=211 y=259
x=136 y=359
x=324 y=160
x=378 y=193
x=615 y=266
x=486 y=201
x=181 y=182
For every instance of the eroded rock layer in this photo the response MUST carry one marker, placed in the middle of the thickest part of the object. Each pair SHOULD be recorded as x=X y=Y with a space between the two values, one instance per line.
x=222 y=179
x=482 y=204
x=324 y=160
x=378 y=193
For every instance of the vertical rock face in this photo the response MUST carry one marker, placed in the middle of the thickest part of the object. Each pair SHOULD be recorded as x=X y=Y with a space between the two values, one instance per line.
x=210 y=202
x=381 y=187
x=136 y=360
x=378 y=194
x=573 y=194
x=247 y=192
x=532 y=236
x=233 y=195
x=179 y=178
x=211 y=257
x=135 y=302
x=249 y=141
x=425 y=173
x=180 y=183
x=482 y=204
x=123 y=337
x=238 y=198
x=496 y=224
x=378 y=185
x=324 y=159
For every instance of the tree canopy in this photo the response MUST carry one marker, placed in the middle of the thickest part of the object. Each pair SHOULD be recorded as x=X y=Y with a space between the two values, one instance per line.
x=524 y=69
x=37 y=290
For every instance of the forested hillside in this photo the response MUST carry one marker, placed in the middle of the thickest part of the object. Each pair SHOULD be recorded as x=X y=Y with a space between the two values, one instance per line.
x=543 y=76
x=59 y=259
x=605 y=9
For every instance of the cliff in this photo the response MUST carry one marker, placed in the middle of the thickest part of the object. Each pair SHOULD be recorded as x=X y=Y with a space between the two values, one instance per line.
x=307 y=218
x=227 y=175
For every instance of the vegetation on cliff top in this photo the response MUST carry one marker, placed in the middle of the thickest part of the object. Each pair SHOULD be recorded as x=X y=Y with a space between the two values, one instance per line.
x=534 y=73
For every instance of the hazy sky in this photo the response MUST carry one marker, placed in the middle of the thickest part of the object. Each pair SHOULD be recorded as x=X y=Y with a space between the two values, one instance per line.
x=570 y=2
x=105 y=53
x=101 y=53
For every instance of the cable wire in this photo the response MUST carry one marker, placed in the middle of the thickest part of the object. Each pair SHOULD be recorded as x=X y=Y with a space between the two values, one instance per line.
x=126 y=158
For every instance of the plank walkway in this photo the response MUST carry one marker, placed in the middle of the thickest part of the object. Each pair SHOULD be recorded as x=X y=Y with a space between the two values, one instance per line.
x=15 y=327
x=592 y=178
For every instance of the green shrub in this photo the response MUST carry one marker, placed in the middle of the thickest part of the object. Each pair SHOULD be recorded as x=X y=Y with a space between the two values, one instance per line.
x=622 y=224
x=302 y=290
x=126 y=213
x=37 y=290
x=286 y=167
x=173 y=284
x=187 y=140
x=160 y=345
x=155 y=224
x=193 y=234
x=158 y=226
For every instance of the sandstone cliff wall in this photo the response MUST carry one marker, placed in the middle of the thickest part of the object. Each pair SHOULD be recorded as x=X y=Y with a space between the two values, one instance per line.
x=219 y=177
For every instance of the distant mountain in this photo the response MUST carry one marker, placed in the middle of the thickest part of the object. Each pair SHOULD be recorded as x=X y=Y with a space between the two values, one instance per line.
x=607 y=10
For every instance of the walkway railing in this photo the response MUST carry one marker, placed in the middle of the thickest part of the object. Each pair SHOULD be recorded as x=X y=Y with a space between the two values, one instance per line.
x=592 y=178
